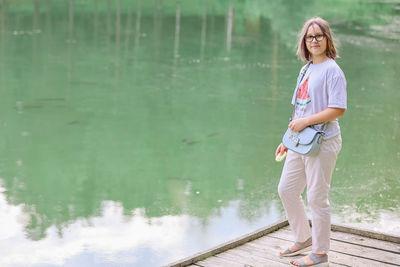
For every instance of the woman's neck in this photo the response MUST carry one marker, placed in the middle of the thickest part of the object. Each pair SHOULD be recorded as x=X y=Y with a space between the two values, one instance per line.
x=319 y=59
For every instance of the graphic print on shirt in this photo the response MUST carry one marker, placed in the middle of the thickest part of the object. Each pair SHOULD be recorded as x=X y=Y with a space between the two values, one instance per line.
x=303 y=98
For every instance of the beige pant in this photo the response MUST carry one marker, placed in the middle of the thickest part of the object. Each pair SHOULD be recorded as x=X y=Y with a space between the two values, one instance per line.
x=315 y=173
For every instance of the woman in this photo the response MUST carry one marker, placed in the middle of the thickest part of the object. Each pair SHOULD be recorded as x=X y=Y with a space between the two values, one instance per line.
x=321 y=98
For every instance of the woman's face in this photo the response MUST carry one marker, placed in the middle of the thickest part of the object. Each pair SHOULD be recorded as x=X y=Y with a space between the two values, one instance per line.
x=315 y=41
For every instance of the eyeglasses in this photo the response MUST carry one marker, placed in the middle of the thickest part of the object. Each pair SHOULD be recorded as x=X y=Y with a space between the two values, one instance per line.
x=318 y=38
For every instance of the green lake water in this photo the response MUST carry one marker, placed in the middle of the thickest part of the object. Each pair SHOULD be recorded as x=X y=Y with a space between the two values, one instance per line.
x=136 y=133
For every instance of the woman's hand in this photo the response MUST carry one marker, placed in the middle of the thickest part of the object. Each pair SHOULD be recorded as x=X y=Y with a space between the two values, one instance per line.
x=280 y=150
x=298 y=124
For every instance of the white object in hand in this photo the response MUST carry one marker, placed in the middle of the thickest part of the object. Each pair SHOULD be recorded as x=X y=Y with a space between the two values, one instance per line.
x=280 y=157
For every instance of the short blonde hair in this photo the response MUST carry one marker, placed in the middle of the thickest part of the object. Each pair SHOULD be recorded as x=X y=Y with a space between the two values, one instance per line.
x=331 y=45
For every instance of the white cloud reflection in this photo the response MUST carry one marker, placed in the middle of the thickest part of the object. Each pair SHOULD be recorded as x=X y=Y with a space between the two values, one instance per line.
x=105 y=236
x=118 y=239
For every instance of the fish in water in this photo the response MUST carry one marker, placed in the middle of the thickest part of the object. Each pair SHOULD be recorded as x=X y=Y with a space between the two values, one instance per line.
x=189 y=142
x=51 y=99
x=192 y=142
x=29 y=106
x=184 y=140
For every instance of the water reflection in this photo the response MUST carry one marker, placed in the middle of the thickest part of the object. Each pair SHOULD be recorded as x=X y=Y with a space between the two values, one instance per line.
x=203 y=30
x=229 y=27
x=384 y=221
x=151 y=114
x=110 y=236
x=113 y=235
x=117 y=44
x=138 y=22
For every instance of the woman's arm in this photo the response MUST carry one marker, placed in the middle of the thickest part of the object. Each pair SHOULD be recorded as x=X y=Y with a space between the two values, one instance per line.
x=327 y=114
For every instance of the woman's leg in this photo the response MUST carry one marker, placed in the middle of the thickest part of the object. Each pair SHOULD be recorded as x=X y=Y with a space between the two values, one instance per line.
x=291 y=186
x=319 y=171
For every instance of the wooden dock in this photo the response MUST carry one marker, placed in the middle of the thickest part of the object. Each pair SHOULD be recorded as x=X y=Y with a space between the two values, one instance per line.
x=349 y=247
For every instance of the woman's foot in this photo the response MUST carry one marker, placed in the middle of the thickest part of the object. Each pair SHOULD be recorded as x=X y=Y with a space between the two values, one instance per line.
x=311 y=260
x=297 y=248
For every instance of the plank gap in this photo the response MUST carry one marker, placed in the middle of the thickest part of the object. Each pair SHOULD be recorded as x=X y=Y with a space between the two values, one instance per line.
x=365 y=246
x=366 y=258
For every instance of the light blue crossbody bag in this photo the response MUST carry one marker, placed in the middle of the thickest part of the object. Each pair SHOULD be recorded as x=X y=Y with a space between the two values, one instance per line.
x=306 y=142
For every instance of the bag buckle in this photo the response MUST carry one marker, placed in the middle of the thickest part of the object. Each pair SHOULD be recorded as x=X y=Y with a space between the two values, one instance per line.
x=296 y=141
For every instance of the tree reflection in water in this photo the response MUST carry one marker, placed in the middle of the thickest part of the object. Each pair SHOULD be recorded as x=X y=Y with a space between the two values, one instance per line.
x=180 y=119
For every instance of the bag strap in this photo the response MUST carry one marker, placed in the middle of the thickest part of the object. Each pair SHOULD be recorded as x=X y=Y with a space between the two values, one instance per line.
x=302 y=74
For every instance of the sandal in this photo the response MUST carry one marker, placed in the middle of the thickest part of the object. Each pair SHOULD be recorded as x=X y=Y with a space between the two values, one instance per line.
x=317 y=261
x=305 y=247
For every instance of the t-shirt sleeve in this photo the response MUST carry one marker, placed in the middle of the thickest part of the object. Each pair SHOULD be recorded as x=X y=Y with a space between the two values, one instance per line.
x=337 y=93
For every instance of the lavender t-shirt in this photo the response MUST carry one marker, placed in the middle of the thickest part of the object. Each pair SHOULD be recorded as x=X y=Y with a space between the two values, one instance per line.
x=323 y=86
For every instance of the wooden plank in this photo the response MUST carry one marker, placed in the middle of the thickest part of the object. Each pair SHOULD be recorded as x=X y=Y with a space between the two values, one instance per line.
x=217 y=261
x=271 y=251
x=370 y=247
x=231 y=244
x=353 y=261
x=340 y=253
x=361 y=247
x=274 y=254
x=366 y=241
x=259 y=255
x=240 y=258
x=246 y=257
x=348 y=238
x=336 y=258
x=266 y=253
x=366 y=233
x=366 y=253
